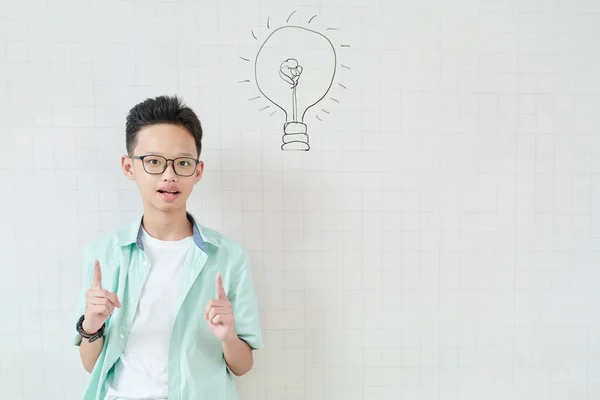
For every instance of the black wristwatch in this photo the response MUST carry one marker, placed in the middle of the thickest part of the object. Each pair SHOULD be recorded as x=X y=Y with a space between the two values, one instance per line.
x=89 y=336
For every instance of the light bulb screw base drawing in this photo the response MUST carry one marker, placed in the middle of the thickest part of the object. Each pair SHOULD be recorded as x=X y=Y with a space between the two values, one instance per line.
x=295 y=137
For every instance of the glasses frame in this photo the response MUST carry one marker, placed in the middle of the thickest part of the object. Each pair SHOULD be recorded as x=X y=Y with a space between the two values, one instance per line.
x=141 y=158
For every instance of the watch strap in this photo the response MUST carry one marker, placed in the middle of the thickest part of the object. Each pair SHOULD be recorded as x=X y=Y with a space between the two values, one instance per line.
x=90 y=336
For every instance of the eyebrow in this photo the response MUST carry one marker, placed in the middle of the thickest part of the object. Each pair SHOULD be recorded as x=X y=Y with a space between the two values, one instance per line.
x=157 y=153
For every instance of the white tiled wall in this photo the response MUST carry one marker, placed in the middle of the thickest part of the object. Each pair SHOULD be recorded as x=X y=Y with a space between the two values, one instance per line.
x=439 y=241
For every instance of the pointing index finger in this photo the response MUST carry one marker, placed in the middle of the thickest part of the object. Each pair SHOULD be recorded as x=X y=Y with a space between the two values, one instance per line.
x=97 y=282
x=220 y=290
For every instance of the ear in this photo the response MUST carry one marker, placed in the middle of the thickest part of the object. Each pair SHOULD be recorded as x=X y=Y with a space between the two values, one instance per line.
x=127 y=166
x=199 y=171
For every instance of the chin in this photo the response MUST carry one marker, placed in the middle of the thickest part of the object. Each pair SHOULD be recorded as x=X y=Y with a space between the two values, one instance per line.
x=167 y=207
x=170 y=207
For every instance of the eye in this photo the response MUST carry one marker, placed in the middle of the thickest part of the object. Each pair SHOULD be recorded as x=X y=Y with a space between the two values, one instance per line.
x=153 y=161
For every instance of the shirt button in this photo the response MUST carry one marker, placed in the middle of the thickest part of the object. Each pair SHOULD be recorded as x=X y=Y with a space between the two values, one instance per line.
x=133 y=300
x=145 y=262
x=122 y=336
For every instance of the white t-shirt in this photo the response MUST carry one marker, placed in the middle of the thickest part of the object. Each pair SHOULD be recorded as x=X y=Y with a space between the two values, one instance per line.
x=141 y=371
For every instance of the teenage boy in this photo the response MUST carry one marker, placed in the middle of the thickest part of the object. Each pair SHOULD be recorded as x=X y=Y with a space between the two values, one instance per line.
x=167 y=308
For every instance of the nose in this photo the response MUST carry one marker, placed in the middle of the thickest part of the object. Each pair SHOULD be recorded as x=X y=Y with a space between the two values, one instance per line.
x=169 y=172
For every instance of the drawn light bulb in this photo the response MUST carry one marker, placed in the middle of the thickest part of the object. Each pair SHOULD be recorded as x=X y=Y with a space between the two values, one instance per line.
x=295 y=68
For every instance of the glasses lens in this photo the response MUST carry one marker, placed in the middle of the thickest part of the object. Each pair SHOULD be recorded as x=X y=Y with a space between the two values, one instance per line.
x=184 y=166
x=154 y=164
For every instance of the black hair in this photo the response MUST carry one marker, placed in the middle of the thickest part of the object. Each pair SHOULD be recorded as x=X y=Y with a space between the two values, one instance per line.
x=161 y=110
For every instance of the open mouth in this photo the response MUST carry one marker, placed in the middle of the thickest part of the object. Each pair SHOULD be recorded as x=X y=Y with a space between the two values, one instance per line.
x=168 y=195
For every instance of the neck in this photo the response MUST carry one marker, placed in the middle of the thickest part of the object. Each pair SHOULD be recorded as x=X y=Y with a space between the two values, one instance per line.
x=169 y=226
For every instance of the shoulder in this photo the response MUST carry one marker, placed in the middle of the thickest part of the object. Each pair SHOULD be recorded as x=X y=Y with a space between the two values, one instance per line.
x=224 y=247
x=220 y=241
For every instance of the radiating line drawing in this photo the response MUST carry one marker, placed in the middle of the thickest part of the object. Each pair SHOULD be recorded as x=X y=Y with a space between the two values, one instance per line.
x=294 y=69
x=288 y=20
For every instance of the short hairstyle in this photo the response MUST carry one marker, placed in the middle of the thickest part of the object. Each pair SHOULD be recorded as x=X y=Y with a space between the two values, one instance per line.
x=161 y=110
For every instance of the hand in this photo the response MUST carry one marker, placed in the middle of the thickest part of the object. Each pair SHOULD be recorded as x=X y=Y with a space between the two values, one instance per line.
x=219 y=313
x=99 y=303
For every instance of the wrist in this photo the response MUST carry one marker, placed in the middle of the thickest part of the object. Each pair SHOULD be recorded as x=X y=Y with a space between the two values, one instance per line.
x=230 y=338
x=87 y=331
x=91 y=337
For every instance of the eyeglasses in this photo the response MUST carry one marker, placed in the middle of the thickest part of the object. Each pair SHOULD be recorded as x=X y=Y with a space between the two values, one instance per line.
x=156 y=165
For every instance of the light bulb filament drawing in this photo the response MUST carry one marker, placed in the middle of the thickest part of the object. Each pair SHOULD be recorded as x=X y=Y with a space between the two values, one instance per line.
x=290 y=72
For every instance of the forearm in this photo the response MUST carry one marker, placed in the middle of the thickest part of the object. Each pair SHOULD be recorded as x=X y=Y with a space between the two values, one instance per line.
x=89 y=353
x=238 y=355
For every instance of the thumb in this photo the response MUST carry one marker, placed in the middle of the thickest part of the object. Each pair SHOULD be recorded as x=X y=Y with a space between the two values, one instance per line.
x=97 y=282
x=220 y=290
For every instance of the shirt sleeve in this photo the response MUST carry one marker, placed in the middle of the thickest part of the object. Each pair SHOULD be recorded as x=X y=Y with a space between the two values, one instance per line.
x=86 y=281
x=245 y=305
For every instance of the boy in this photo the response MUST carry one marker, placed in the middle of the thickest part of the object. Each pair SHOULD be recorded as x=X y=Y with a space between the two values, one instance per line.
x=167 y=309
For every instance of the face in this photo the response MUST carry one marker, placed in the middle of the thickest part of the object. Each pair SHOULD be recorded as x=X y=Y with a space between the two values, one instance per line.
x=169 y=141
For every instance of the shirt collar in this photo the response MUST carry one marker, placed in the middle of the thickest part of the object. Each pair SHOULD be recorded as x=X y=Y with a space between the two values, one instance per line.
x=133 y=234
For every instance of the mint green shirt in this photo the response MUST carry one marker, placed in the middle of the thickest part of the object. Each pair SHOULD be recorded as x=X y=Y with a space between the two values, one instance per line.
x=196 y=366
